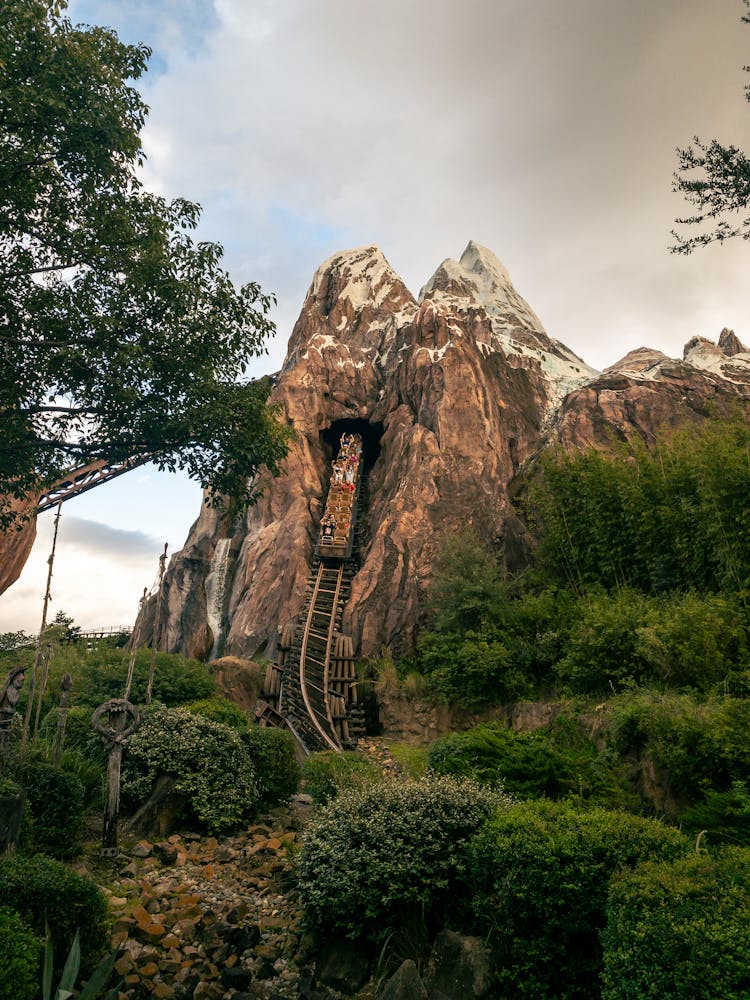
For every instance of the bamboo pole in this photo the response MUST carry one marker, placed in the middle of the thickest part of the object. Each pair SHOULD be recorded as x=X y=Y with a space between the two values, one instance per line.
x=38 y=654
x=157 y=615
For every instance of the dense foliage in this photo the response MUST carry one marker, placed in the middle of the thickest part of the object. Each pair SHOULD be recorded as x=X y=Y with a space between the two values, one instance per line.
x=220 y=710
x=540 y=871
x=99 y=673
x=55 y=798
x=326 y=773
x=209 y=763
x=274 y=757
x=46 y=893
x=699 y=747
x=641 y=576
x=377 y=853
x=680 y=929
x=554 y=761
x=673 y=517
x=19 y=957
x=120 y=336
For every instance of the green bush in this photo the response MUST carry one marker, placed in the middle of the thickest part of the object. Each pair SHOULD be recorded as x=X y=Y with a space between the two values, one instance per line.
x=473 y=668
x=326 y=773
x=601 y=651
x=375 y=854
x=209 y=763
x=692 y=640
x=56 y=802
x=724 y=816
x=44 y=892
x=541 y=871
x=99 y=674
x=79 y=733
x=177 y=680
x=274 y=757
x=20 y=951
x=701 y=746
x=554 y=761
x=680 y=929
x=670 y=518
x=221 y=710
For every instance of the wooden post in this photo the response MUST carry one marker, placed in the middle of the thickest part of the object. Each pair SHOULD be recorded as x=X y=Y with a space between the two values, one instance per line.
x=38 y=654
x=114 y=721
x=157 y=614
x=42 y=686
x=134 y=644
x=62 y=718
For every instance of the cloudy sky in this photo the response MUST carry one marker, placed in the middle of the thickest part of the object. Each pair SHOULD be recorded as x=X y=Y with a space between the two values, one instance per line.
x=545 y=130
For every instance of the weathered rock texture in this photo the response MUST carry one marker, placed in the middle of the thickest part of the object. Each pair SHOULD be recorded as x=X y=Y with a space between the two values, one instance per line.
x=453 y=393
x=15 y=545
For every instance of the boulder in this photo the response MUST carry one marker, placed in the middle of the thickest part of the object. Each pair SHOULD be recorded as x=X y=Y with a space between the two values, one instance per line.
x=404 y=984
x=459 y=968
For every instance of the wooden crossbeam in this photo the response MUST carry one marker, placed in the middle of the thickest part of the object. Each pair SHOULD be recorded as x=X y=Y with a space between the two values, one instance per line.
x=86 y=478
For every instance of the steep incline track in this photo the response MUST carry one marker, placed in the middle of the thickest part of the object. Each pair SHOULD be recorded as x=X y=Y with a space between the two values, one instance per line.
x=312 y=688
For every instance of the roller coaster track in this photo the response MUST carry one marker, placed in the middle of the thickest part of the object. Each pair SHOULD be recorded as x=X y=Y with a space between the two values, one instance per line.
x=315 y=650
x=312 y=688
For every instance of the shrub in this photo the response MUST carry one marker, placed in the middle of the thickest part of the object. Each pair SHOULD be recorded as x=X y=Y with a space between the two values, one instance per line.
x=602 y=650
x=701 y=746
x=56 y=802
x=274 y=756
x=44 y=892
x=376 y=853
x=553 y=761
x=79 y=733
x=19 y=957
x=209 y=763
x=693 y=640
x=326 y=773
x=541 y=871
x=220 y=710
x=100 y=673
x=680 y=929
x=473 y=667
x=725 y=816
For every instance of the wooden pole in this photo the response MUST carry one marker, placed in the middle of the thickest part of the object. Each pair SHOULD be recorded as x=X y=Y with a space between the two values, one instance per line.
x=114 y=721
x=62 y=718
x=38 y=654
x=157 y=615
x=134 y=644
x=42 y=686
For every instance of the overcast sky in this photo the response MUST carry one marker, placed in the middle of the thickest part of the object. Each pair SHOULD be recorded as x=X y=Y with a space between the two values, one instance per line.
x=545 y=130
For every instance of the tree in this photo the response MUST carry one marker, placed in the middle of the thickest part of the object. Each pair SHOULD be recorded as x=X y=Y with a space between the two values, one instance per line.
x=716 y=180
x=120 y=335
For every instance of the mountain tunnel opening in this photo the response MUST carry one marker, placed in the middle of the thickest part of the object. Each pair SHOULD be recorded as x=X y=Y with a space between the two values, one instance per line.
x=371 y=434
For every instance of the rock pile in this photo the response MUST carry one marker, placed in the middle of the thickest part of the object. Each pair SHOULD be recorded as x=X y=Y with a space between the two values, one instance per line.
x=196 y=919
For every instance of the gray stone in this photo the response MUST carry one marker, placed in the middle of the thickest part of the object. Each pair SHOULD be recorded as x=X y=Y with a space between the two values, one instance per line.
x=344 y=966
x=459 y=968
x=404 y=984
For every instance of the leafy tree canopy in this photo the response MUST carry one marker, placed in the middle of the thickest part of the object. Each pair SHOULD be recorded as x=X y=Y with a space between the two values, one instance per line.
x=120 y=336
x=715 y=179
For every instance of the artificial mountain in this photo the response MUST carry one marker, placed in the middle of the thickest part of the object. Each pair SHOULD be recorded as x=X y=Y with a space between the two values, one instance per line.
x=453 y=392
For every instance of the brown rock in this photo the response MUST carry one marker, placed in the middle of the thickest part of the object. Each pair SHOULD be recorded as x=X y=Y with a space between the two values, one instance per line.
x=142 y=849
x=453 y=394
x=16 y=544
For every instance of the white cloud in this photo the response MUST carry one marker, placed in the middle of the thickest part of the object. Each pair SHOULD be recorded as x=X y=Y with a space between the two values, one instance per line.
x=545 y=131
x=98 y=576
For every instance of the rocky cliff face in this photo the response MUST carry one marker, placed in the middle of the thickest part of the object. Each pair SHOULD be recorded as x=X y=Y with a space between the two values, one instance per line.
x=452 y=393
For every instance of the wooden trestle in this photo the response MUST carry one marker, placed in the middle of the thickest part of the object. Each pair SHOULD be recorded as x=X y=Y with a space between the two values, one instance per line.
x=312 y=686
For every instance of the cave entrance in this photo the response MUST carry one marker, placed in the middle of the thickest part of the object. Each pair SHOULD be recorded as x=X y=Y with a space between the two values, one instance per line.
x=370 y=433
